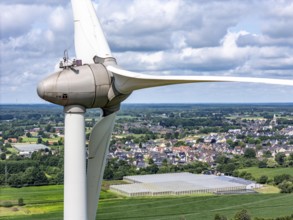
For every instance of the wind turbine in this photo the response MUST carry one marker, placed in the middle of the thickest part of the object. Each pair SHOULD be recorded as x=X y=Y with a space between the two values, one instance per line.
x=96 y=81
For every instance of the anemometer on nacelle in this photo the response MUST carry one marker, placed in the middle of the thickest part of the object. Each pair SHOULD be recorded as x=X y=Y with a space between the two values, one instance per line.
x=67 y=63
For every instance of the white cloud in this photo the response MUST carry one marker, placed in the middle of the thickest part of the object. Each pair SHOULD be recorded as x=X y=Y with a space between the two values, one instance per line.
x=18 y=19
x=245 y=38
x=60 y=20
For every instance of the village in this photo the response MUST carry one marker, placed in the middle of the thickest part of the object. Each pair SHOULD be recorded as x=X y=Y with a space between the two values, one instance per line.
x=143 y=137
x=203 y=147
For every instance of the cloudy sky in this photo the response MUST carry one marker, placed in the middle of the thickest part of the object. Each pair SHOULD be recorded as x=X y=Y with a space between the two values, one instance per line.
x=251 y=38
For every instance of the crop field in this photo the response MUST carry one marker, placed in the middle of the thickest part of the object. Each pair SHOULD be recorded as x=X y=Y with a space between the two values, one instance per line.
x=46 y=202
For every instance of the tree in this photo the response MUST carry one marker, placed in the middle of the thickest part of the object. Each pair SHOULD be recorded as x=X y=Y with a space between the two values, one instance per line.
x=21 y=202
x=108 y=174
x=48 y=127
x=290 y=156
x=7 y=145
x=280 y=158
x=267 y=154
x=15 y=180
x=118 y=175
x=286 y=186
x=235 y=173
x=250 y=140
x=258 y=147
x=34 y=176
x=3 y=156
x=60 y=177
x=249 y=153
x=271 y=163
x=222 y=159
x=242 y=215
x=39 y=177
x=151 y=161
x=41 y=133
x=262 y=164
x=280 y=178
x=87 y=136
x=28 y=134
x=27 y=177
x=165 y=162
x=290 y=159
x=220 y=217
x=152 y=169
x=2 y=179
x=263 y=179
x=176 y=134
x=20 y=139
x=60 y=141
x=230 y=143
x=227 y=168
x=200 y=140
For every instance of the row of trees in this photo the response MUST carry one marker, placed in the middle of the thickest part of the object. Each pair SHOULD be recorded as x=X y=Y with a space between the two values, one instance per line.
x=42 y=168
x=244 y=215
x=31 y=176
x=116 y=169
x=280 y=160
x=228 y=165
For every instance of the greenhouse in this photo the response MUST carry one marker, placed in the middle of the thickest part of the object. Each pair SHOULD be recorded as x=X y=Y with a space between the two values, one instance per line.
x=180 y=184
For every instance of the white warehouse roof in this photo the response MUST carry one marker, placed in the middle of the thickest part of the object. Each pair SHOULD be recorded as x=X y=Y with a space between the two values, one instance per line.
x=30 y=147
x=178 y=184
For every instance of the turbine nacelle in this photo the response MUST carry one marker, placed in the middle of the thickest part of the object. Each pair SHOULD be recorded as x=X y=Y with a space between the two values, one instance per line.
x=91 y=86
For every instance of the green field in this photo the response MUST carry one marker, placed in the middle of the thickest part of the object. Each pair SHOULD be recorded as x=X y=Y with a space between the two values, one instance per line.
x=46 y=203
x=34 y=139
x=270 y=172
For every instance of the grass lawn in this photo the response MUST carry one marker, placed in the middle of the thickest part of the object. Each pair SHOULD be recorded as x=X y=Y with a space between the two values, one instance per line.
x=46 y=202
x=12 y=150
x=270 y=172
x=189 y=207
x=34 y=140
x=29 y=139
x=268 y=189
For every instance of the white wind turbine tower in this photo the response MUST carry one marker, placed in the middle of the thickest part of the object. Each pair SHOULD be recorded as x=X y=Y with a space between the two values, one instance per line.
x=98 y=82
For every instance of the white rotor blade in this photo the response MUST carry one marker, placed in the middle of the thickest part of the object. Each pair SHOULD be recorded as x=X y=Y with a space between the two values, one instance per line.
x=89 y=38
x=98 y=151
x=126 y=81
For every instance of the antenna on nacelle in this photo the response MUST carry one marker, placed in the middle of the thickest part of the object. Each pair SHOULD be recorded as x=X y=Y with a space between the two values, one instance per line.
x=66 y=62
x=65 y=57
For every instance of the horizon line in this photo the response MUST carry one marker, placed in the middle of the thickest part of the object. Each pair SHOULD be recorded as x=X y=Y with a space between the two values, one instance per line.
x=160 y=103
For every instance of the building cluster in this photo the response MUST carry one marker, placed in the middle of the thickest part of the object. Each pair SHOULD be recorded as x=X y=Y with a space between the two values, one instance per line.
x=199 y=147
x=167 y=144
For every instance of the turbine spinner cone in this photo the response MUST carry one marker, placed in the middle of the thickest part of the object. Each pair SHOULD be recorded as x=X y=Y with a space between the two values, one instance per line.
x=41 y=90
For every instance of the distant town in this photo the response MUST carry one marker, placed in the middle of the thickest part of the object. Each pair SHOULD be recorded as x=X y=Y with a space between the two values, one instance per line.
x=151 y=138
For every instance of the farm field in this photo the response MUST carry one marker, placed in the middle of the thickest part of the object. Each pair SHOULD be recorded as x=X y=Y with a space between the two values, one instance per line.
x=46 y=202
x=270 y=172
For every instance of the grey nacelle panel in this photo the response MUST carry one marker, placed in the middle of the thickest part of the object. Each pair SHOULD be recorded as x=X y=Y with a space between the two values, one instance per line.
x=86 y=85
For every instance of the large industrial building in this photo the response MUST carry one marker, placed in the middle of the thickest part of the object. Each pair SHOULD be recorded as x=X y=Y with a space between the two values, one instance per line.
x=26 y=150
x=180 y=184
